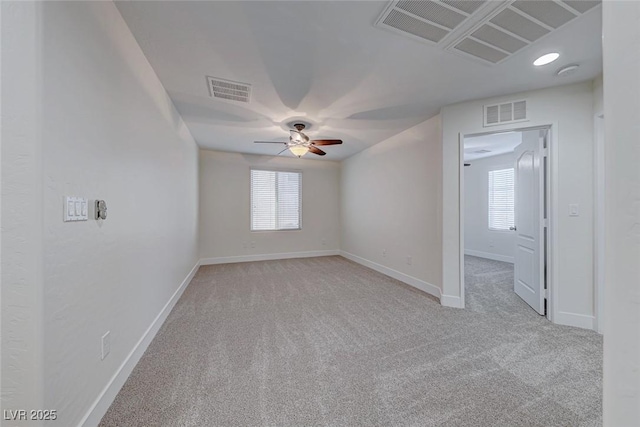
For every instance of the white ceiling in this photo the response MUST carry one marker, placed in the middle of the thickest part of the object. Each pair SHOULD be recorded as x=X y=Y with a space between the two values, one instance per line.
x=324 y=61
x=495 y=144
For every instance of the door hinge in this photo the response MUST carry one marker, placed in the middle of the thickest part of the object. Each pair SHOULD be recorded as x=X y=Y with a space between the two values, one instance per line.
x=546 y=294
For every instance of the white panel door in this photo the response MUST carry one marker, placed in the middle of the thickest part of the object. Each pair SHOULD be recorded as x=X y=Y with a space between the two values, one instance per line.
x=529 y=193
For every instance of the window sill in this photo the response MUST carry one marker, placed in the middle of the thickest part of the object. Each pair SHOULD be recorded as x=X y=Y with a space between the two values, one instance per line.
x=276 y=231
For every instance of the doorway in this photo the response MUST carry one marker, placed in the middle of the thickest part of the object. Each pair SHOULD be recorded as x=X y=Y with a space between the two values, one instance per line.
x=505 y=224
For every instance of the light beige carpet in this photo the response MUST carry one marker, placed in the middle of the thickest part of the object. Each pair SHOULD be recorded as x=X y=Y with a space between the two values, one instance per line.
x=489 y=289
x=324 y=341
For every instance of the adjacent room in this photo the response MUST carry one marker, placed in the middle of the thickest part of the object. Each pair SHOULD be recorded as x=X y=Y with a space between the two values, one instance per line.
x=489 y=210
x=505 y=183
x=268 y=213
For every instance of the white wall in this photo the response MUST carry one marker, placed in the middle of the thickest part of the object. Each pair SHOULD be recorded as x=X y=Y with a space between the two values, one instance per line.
x=105 y=129
x=225 y=194
x=621 y=27
x=479 y=240
x=570 y=110
x=390 y=201
x=21 y=215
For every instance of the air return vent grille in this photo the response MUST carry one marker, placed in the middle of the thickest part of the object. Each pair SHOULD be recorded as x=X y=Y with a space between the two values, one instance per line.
x=548 y=13
x=434 y=12
x=481 y=50
x=505 y=112
x=489 y=31
x=416 y=27
x=515 y=25
x=426 y=20
x=468 y=6
x=229 y=90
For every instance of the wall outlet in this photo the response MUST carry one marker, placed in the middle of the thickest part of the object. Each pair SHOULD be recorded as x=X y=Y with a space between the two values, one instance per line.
x=384 y=253
x=253 y=244
x=409 y=260
x=244 y=245
x=324 y=242
x=106 y=344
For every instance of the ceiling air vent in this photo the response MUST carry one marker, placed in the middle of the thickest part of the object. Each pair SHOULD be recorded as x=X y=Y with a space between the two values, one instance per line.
x=229 y=90
x=428 y=21
x=408 y=24
x=488 y=31
x=512 y=26
x=506 y=112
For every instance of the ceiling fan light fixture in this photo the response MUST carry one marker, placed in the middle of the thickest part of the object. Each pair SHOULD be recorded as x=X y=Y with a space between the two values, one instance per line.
x=300 y=144
x=299 y=150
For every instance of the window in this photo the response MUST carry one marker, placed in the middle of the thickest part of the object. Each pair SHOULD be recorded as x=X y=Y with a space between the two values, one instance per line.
x=501 y=199
x=275 y=200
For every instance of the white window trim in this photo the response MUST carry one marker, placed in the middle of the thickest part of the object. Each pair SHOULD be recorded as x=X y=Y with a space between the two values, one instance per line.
x=298 y=171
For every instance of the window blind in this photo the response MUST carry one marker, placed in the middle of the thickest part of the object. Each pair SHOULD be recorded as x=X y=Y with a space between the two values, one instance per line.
x=275 y=200
x=501 y=199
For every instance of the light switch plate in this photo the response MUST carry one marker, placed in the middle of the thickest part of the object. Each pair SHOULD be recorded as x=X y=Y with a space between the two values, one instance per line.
x=75 y=209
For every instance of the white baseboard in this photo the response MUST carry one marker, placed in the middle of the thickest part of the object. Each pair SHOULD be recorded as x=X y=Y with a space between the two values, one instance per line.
x=573 y=319
x=451 y=301
x=489 y=255
x=405 y=278
x=267 y=257
x=108 y=394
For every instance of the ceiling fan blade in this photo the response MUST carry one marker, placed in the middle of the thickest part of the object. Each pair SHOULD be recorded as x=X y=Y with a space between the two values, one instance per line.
x=269 y=142
x=282 y=151
x=326 y=141
x=317 y=151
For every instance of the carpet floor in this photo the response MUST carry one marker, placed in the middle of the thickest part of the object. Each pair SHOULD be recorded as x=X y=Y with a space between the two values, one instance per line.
x=489 y=289
x=325 y=341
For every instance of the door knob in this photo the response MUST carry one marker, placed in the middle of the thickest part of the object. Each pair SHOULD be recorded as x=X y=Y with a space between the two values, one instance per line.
x=512 y=228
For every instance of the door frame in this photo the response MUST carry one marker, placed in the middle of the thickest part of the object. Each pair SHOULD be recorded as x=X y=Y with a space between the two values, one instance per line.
x=599 y=220
x=551 y=192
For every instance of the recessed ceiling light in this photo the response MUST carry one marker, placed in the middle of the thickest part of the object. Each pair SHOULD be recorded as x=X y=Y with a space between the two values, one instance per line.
x=546 y=59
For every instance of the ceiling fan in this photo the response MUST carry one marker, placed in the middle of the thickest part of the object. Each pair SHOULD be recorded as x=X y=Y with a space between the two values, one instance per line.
x=299 y=143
